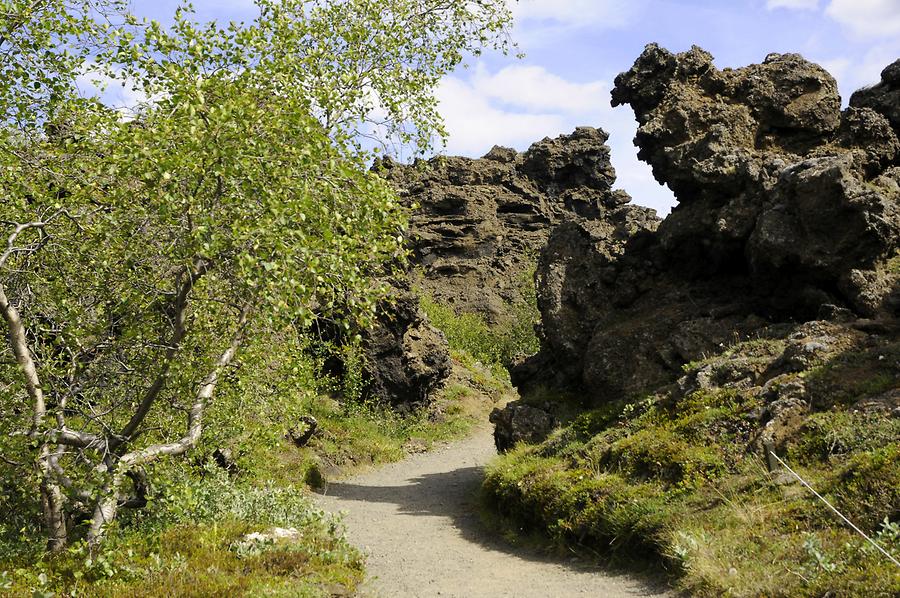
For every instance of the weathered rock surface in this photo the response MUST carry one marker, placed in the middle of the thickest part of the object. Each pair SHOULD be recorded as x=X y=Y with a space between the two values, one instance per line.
x=518 y=422
x=476 y=228
x=481 y=222
x=770 y=176
x=406 y=357
x=788 y=207
x=790 y=371
x=884 y=97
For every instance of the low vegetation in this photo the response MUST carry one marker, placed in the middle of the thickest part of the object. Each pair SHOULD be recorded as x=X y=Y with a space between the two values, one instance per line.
x=245 y=476
x=474 y=340
x=680 y=475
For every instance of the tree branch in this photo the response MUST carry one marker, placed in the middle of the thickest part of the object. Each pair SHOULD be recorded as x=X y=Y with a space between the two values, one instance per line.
x=19 y=342
x=107 y=506
x=195 y=415
x=181 y=303
x=11 y=241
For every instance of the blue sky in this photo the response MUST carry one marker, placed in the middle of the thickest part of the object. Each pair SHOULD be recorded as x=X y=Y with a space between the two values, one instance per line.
x=575 y=48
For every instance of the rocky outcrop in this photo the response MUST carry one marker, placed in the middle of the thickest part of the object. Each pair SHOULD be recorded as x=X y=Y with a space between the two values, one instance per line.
x=475 y=230
x=399 y=361
x=479 y=223
x=884 y=97
x=787 y=208
x=406 y=358
x=770 y=176
x=790 y=371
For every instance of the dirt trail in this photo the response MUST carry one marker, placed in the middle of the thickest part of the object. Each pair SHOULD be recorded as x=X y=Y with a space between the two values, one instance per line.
x=418 y=523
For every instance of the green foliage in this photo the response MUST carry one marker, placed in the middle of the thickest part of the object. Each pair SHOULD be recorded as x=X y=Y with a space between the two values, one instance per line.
x=202 y=560
x=235 y=204
x=834 y=434
x=198 y=512
x=893 y=264
x=353 y=381
x=45 y=46
x=854 y=375
x=496 y=346
x=867 y=486
x=574 y=506
x=676 y=477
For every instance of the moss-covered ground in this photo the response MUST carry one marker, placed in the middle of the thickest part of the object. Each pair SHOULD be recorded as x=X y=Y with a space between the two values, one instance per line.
x=678 y=476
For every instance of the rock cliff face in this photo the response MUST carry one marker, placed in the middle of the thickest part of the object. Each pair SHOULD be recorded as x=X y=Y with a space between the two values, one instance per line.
x=481 y=223
x=789 y=209
x=477 y=227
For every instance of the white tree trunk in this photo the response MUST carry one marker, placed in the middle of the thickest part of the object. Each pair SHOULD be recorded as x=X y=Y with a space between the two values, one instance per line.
x=107 y=505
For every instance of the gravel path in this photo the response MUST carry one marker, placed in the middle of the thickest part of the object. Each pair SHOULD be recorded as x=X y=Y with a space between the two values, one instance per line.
x=417 y=521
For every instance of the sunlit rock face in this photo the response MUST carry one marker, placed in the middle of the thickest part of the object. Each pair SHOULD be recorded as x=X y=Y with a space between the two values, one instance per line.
x=478 y=224
x=884 y=97
x=789 y=209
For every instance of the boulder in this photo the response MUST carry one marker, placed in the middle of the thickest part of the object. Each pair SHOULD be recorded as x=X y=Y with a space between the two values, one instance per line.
x=406 y=358
x=403 y=358
x=518 y=422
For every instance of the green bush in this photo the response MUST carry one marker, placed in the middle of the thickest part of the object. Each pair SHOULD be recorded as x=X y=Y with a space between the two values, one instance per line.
x=677 y=477
x=496 y=346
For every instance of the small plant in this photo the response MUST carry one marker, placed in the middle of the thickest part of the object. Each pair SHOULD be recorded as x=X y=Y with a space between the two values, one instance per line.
x=685 y=545
x=353 y=380
x=5 y=581
x=816 y=558
x=888 y=537
x=253 y=546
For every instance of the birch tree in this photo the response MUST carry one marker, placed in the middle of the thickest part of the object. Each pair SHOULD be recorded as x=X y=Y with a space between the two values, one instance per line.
x=140 y=253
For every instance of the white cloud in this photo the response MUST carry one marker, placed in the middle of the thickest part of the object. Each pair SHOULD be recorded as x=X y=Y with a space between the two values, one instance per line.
x=521 y=104
x=541 y=23
x=475 y=123
x=867 y=18
x=861 y=70
x=839 y=67
x=793 y=4
x=534 y=88
x=576 y=13
x=122 y=94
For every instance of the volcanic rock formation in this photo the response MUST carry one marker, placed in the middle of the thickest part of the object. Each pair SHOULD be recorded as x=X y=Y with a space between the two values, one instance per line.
x=883 y=97
x=788 y=209
x=476 y=229
x=480 y=223
x=403 y=359
x=406 y=357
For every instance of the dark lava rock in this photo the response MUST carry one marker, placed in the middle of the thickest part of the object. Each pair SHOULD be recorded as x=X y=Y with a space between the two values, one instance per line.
x=404 y=358
x=407 y=359
x=617 y=321
x=518 y=422
x=770 y=176
x=478 y=223
x=788 y=207
x=884 y=97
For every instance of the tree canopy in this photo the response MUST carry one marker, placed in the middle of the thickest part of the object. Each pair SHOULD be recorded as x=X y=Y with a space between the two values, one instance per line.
x=143 y=249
